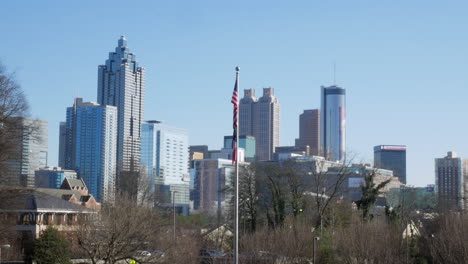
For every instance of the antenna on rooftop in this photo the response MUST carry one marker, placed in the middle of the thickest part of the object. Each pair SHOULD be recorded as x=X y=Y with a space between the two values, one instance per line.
x=334 y=73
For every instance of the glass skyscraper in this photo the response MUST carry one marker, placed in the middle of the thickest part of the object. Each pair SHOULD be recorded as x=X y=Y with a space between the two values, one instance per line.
x=121 y=83
x=91 y=144
x=391 y=157
x=333 y=123
x=165 y=159
x=30 y=156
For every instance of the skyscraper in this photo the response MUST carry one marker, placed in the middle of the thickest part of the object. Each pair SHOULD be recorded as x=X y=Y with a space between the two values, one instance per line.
x=62 y=143
x=121 y=83
x=333 y=123
x=260 y=118
x=30 y=155
x=164 y=153
x=391 y=157
x=91 y=146
x=165 y=158
x=451 y=175
x=309 y=131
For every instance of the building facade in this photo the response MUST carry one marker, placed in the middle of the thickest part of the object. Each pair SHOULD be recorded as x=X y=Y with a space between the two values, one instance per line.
x=165 y=159
x=209 y=177
x=260 y=118
x=333 y=123
x=245 y=142
x=91 y=146
x=309 y=131
x=62 y=143
x=391 y=157
x=451 y=175
x=30 y=155
x=121 y=83
x=53 y=177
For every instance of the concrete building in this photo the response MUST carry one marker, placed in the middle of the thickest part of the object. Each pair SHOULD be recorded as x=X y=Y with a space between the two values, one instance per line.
x=309 y=131
x=121 y=83
x=91 y=146
x=260 y=118
x=209 y=177
x=333 y=123
x=53 y=177
x=451 y=181
x=391 y=157
x=165 y=158
x=31 y=154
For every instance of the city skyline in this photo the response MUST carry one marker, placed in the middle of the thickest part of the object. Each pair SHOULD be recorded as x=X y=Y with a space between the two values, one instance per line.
x=395 y=80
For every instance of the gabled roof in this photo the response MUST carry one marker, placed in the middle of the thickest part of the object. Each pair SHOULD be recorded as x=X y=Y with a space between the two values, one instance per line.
x=35 y=200
x=77 y=183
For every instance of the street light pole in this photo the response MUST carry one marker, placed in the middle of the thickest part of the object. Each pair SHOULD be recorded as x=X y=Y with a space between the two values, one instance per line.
x=174 y=213
x=3 y=246
x=313 y=249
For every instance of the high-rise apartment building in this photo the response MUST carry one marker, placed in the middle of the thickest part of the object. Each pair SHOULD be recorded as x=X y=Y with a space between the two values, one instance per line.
x=91 y=144
x=121 y=83
x=451 y=176
x=30 y=155
x=391 y=157
x=309 y=131
x=260 y=118
x=333 y=123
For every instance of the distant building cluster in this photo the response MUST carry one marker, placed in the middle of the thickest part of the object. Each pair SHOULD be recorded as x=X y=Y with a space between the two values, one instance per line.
x=106 y=147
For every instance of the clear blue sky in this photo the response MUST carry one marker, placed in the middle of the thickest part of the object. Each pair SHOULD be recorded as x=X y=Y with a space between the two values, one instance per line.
x=404 y=64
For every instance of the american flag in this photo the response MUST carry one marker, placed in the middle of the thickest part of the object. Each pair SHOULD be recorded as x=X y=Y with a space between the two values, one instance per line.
x=235 y=102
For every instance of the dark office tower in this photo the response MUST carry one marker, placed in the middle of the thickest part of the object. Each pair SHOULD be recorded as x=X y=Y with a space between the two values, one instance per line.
x=62 y=144
x=309 y=131
x=391 y=157
x=121 y=83
x=333 y=123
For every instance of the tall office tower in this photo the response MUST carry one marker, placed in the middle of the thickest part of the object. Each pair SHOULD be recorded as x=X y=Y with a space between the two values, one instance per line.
x=391 y=157
x=309 y=131
x=333 y=123
x=165 y=159
x=30 y=155
x=451 y=176
x=246 y=113
x=62 y=143
x=91 y=146
x=121 y=83
x=260 y=119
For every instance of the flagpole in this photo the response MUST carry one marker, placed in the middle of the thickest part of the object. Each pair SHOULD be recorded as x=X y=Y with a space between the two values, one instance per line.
x=236 y=225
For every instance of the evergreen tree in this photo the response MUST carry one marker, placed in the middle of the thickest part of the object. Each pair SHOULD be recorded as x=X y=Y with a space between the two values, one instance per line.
x=51 y=247
x=370 y=192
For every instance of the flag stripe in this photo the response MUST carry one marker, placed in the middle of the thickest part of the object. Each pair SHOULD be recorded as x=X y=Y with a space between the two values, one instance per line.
x=235 y=103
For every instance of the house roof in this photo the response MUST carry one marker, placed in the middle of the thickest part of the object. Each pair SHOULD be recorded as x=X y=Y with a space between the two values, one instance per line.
x=76 y=183
x=37 y=200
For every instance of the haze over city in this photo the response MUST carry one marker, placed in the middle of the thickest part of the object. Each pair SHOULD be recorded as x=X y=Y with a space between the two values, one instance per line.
x=403 y=65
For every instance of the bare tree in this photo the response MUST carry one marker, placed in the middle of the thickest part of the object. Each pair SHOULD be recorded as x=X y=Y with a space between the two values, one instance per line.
x=118 y=232
x=13 y=105
x=326 y=185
